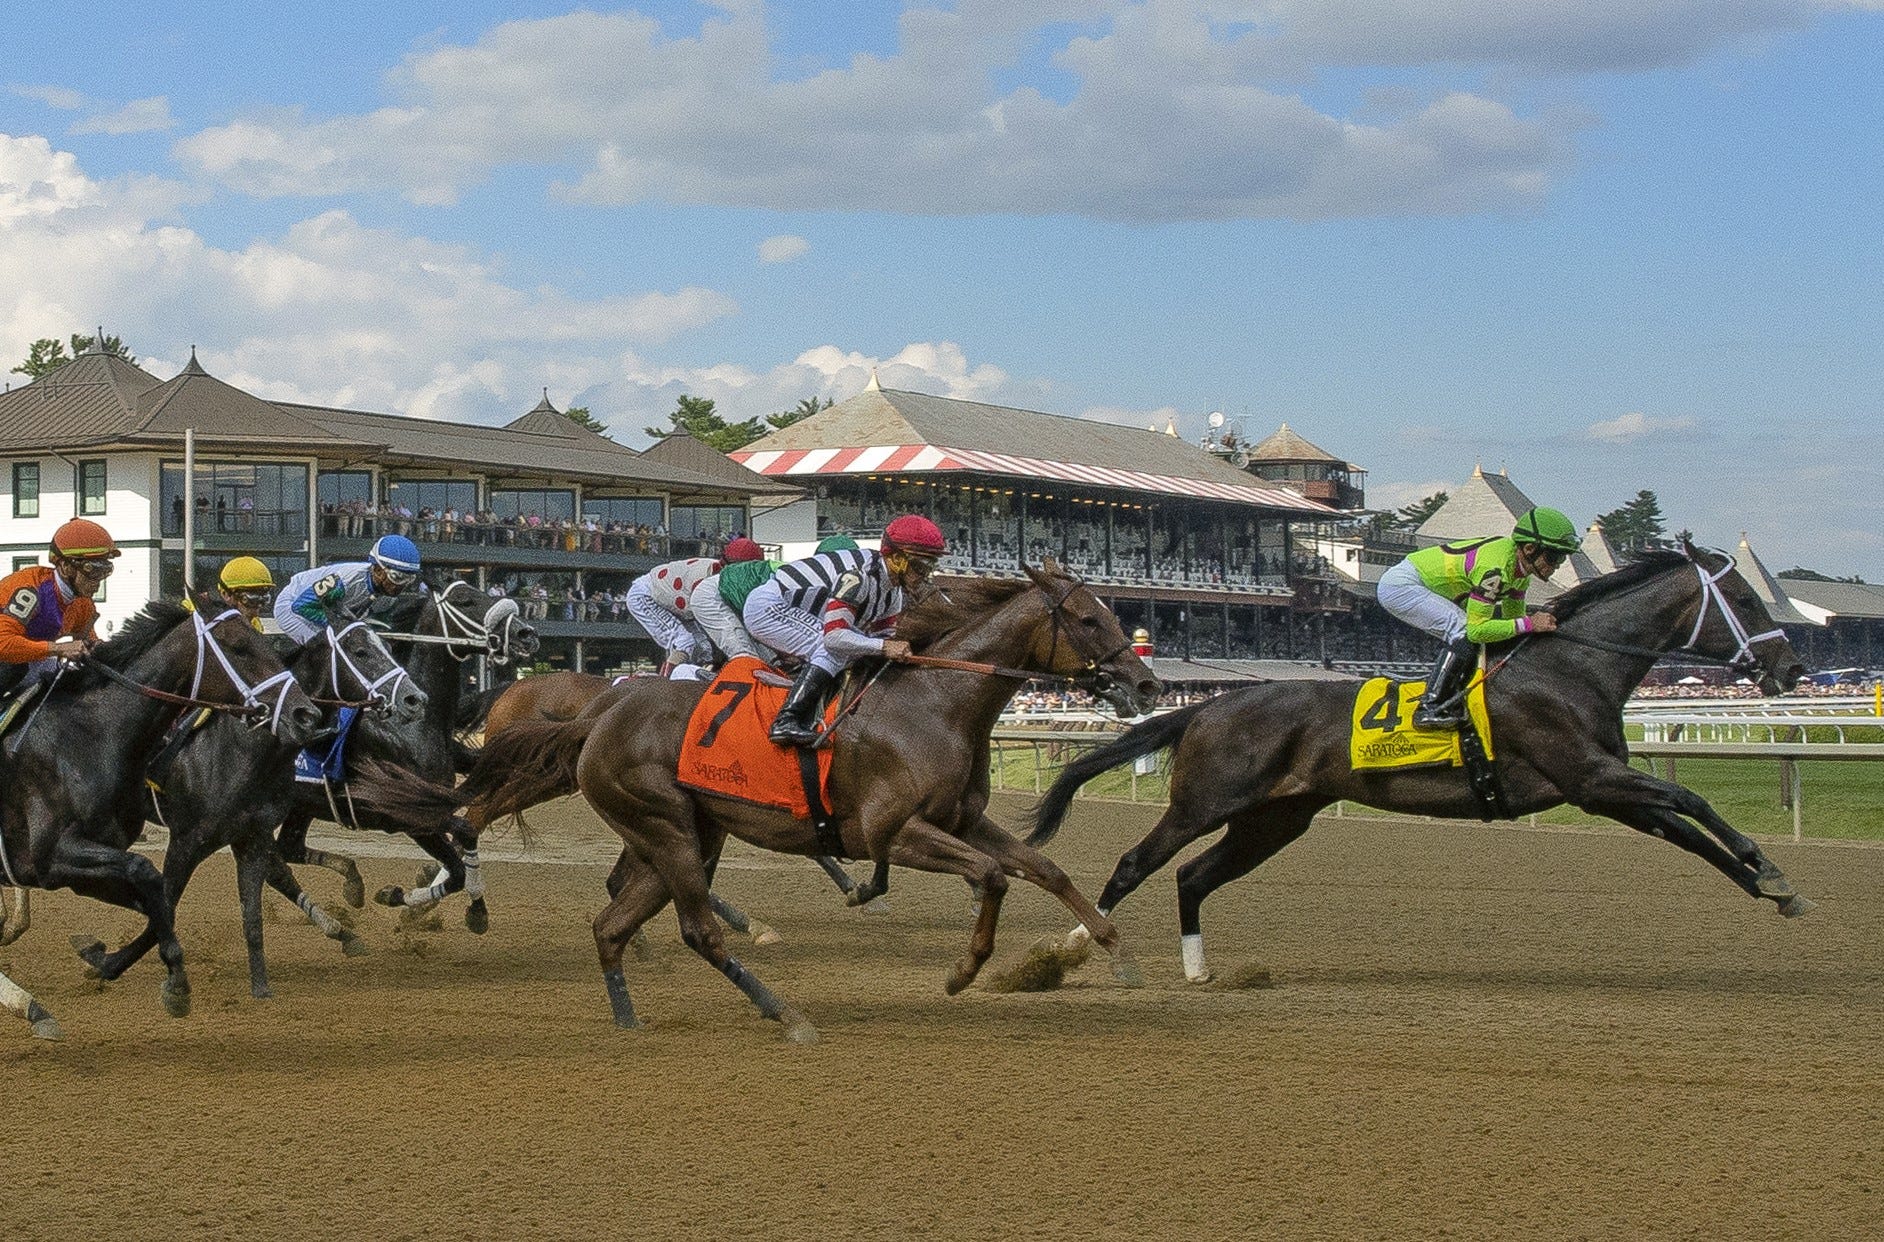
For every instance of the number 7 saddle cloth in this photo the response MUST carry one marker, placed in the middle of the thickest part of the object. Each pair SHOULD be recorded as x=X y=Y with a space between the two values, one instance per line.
x=726 y=750
x=1383 y=735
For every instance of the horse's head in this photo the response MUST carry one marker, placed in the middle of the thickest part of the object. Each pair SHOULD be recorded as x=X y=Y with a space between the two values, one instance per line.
x=357 y=666
x=220 y=657
x=1083 y=640
x=464 y=611
x=1731 y=623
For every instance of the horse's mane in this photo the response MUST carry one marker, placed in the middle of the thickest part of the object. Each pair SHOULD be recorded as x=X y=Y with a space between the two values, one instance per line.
x=943 y=612
x=1649 y=564
x=139 y=635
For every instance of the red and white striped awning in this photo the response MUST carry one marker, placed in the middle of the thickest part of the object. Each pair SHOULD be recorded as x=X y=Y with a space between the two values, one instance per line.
x=923 y=458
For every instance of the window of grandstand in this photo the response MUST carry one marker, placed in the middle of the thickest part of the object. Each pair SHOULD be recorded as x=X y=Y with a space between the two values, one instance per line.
x=237 y=498
x=706 y=521
x=438 y=495
x=337 y=487
x=25 y=489
x=92 y=485
x=544 y=504
x=624 y=511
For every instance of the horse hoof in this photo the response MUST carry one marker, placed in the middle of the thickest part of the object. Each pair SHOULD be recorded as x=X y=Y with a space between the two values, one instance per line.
x=477 y=917
x=1772 y=882
x=631 y=1024
x=1795 y=905
x=763 y=935
x=91 y=951
x=261 y=991
x=391 y=895
x=1205 y=977
x=47 y=1028
x=176 y=1000
x=353 y=946
x=1126 y=971
x=353 y=891
x=959 y=978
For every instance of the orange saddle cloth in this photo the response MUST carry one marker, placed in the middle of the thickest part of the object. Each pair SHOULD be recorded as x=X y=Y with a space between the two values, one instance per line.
x=727 y=752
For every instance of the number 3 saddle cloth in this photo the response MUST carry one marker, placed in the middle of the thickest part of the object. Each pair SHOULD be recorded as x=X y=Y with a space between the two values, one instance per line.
x=726 y=750
x=1383 y=735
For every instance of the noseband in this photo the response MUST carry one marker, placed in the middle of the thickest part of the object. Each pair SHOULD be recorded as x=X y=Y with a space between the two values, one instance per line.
x=1743 y=659
x=338 y=659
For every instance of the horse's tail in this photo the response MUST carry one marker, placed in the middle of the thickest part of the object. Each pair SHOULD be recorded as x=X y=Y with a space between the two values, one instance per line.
x=526 y=764
x=1141 y=739
x=474 y=708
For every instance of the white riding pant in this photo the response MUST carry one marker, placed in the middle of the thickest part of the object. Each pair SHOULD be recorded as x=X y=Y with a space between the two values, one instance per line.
x=723 y=625
x=672 y=633
x=1402 y=593
x=788 y=630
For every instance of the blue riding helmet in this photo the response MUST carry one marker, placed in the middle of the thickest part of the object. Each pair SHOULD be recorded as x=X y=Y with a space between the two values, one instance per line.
x=395 y=553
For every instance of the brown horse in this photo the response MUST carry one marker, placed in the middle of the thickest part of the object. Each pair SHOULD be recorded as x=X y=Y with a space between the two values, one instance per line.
x=1262 y=761
x=909 y=778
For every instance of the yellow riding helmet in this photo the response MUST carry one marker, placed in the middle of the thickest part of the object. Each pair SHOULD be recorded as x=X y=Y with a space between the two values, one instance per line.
x=245 y=573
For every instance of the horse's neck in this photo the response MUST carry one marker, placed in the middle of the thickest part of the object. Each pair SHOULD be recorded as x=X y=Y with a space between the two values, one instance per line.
x=435 y=671
x=1006 y=638
x=161 y=669
x=1651 y=617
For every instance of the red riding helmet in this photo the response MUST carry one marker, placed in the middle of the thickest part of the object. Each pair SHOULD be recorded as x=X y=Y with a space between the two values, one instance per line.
x=742 y=549
x=914 y=534
x=83 y=539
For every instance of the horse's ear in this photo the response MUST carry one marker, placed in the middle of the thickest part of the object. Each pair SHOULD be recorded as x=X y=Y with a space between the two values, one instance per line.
x=1040 y=578
x=1687 y=547
x=1051 y=567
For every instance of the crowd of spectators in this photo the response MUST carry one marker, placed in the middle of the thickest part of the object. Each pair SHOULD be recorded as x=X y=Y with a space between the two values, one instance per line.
x=369 y=520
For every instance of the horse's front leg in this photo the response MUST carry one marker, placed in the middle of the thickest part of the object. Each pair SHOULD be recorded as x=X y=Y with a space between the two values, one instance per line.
x=181 y=858
x=439 y=846
x=1016 y=858
x=21 y=1003
x=292 y=843
x=16 y=915
x=923 y=846
x=121 y=878
x=282 y=880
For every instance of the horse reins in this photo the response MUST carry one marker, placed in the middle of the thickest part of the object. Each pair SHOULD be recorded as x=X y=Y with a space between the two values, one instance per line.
x=252 y=706
x=1712 y=597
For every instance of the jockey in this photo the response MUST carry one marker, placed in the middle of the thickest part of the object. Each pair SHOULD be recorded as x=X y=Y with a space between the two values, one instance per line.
x=834 y=607
x=662 y=601
x=1469 y=593
x=344 y=591
x=719 y=600
x=247 y=586
x=47 y=613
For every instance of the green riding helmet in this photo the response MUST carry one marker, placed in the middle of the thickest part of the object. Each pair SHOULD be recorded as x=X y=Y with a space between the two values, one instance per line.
x=1548 y=529
x=837 y=543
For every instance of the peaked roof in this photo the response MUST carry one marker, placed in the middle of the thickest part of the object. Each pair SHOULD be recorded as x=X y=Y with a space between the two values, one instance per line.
x=886 y=430
x=680 y=449
x=1491 y=504
x=1601 y=552
x=1837 y=599
x=544 y=419
x=1778 y=604
x=221 y=412
x=89 y=399
x=1284 y=445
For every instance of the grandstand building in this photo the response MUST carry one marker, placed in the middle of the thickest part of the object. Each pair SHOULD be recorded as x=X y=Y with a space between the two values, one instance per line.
x=542 y=508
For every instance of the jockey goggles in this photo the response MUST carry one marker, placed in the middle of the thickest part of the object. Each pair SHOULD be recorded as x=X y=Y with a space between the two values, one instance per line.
x=398 y=577
x=93 y=566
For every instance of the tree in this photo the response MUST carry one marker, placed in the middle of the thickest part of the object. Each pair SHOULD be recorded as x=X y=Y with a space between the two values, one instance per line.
x=805 y=408
x=1636 y=525
x=580 y=416
x=48 y=353
x=1415 y=514
x=695 y=416
x=1800 y=574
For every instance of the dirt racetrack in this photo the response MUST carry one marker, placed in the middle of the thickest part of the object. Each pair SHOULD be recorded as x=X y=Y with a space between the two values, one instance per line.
x=1473 y=1032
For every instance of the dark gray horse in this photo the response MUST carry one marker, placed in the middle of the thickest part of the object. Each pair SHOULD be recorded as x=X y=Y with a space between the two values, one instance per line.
x=432 y=636
x=226 y=784
x=1262 y=761
x=72 y=774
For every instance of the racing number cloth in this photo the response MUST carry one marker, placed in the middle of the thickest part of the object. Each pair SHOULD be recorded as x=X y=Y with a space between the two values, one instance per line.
x=727 y=752
x=1383 y=735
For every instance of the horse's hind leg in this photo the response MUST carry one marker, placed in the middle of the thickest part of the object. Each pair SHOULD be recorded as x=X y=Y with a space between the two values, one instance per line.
x=184 y=854
x=121 y=878
x=1015 y=857
x=439 y=846
x=1254 y=836
x=282 y=880
x=17 y=1000
x=1176 y=828
x=16 y=914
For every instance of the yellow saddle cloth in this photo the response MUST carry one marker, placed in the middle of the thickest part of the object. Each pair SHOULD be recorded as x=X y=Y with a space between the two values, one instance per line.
x=1383 y=735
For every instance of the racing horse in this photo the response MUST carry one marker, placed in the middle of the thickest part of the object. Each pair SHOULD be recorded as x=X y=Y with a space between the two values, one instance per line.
x=219 y=783
x=433 y=635
x=909 y=780
x=72 y=773
x=1263 y=760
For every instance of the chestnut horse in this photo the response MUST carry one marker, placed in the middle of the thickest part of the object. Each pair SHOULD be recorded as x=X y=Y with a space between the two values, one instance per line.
x=909 y=775
x=1265 y=759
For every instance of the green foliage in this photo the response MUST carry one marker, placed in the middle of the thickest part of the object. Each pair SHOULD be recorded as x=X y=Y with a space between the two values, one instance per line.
x=805 y=408
x=580 y=416
x=48 y=353
x=1636 y=525
x=1410 y=516
x=696 y=417
x=1799 y=574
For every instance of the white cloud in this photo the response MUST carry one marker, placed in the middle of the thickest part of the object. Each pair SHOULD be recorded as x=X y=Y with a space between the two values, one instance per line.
x=1636 y=426
x=63 y=98
x=783 y=248
x=140 y=116
x=329 y=311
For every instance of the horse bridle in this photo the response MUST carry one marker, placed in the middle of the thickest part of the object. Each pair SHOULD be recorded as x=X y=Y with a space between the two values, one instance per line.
x=1743 y=659
x=460 y=631
x=253 y=708
x=1093 y=678
x=338 y=659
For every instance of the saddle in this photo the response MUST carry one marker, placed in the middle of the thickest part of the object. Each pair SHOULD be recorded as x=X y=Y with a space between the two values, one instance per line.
x=1382 y=737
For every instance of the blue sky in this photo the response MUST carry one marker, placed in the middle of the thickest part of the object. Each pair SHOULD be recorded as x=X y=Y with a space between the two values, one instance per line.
x=1606 y=246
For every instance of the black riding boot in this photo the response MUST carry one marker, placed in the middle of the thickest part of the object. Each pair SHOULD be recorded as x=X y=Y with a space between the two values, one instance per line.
x=1442 y=706
x=793 y=725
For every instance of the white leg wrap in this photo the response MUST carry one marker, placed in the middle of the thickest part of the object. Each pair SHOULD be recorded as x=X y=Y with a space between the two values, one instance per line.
x=473 y=878
x=1194 y=968
x=16 y=998
x=317 y=916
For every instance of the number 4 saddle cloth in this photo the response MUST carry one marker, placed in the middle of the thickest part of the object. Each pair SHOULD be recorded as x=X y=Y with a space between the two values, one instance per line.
x=1383 y=735
x=726 y=750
